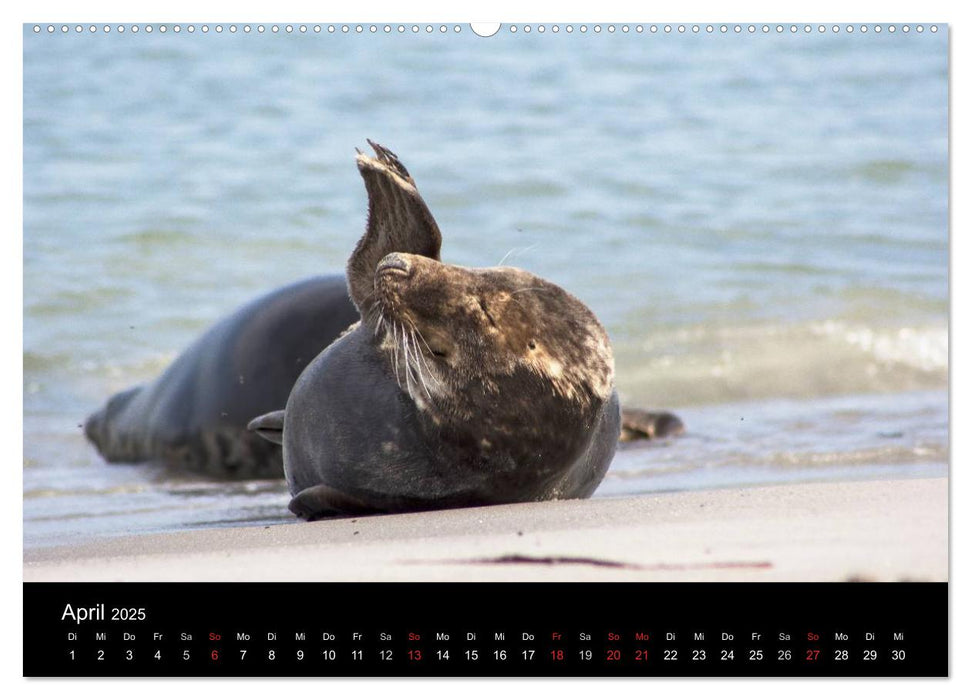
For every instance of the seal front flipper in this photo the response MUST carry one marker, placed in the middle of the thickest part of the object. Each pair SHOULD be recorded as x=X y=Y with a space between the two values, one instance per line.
x=321 y=501
x=638 y=424
x=386 y=156
x=398 y=221
x=269 y=426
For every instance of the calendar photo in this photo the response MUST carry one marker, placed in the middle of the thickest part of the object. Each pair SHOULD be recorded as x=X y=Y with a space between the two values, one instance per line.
x=543 y=304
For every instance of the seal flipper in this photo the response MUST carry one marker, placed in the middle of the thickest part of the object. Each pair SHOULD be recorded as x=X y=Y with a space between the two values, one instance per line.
x=269 y=426
x=637 y=424
x=320 y=501
x=398 y=221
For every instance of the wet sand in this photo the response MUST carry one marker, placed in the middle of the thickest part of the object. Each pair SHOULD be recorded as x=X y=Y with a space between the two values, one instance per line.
x=867 y=530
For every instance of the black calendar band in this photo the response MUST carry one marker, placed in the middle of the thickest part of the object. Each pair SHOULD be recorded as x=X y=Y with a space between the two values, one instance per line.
x=479 y=629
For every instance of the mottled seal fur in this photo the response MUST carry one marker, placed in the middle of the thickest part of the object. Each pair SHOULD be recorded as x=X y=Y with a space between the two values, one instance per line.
x=458 y=387
x=194 y=416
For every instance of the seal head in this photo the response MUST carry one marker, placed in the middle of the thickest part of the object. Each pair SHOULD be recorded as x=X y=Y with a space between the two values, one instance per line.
x=479 y=350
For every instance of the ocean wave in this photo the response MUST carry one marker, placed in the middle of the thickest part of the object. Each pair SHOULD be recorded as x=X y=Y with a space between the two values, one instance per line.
x=922 y=348
x=44 y=365
x=712 y=364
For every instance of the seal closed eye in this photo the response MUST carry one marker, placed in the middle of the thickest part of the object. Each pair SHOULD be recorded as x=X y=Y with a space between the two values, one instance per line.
x=458 y=387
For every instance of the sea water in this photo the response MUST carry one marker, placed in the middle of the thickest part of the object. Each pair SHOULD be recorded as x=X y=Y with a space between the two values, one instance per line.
x=759 y=220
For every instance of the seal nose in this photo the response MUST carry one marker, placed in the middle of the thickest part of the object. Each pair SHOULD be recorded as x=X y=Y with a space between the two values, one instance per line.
x=394 y=263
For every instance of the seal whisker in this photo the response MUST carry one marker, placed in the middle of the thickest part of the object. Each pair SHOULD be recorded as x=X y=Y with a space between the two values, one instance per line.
x=404 y=361
x=517 y=251
x=394 y=353
x=409 y=350
x=414 y=364
x=407 y=361
x=416 y=369
x=417 y=352
x=425 y=342
x=380 y=322
x=372 y=311
x=421 y=355
x=503 y=259
x=370 y=314
x=366 y=299
x=432 y=377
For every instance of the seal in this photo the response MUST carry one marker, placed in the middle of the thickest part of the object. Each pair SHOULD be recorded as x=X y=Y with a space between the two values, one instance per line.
x=457 y=387
x=194 y=416
x=639 y=424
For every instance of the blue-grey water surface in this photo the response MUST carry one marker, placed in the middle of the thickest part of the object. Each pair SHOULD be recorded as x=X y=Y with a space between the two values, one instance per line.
x=760 y=221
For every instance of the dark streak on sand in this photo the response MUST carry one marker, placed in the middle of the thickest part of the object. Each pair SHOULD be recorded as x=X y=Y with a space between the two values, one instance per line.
x=591 y=561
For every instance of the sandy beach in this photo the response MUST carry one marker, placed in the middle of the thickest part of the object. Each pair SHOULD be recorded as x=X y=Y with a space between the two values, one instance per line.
x=868 y=530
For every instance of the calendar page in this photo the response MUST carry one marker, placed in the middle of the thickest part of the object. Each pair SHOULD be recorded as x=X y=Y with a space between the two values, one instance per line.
x=516 y=349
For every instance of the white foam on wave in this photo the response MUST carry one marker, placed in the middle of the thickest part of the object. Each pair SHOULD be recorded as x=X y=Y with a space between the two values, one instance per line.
x=925 y=349
x=713 y=364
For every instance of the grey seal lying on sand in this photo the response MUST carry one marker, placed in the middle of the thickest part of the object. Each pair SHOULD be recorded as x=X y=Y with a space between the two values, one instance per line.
x=458 y=387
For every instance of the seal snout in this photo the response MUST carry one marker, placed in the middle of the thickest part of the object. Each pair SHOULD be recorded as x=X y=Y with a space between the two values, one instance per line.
x=394 y=264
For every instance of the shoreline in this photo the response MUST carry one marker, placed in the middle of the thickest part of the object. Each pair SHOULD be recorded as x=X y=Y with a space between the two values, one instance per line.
x=887 y=530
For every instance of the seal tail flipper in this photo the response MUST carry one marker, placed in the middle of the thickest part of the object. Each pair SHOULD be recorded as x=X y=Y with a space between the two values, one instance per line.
x=269 y=426
x=321 y=501
x=398 y=221
x=637 y=424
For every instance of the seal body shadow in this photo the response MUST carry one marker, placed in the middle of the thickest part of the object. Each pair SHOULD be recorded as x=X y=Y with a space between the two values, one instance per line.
x=193 y=417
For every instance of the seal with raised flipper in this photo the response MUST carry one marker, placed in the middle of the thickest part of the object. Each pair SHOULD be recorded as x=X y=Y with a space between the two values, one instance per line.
x=458 y=387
